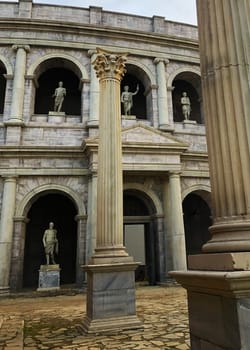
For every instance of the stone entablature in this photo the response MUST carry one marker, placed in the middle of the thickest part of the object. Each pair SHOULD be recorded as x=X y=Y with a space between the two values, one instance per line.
x=98 y=17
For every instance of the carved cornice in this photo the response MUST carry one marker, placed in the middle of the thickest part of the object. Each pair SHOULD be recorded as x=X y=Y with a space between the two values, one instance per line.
x=109 y=65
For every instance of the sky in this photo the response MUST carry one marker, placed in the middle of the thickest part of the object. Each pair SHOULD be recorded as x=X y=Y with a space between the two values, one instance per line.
x=173 y=10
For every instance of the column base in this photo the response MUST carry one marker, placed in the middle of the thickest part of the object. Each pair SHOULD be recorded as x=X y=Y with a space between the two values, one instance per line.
x=166 y=127
x=231 y=261
x=219 y=308
x=111 y=298
x=4 y=291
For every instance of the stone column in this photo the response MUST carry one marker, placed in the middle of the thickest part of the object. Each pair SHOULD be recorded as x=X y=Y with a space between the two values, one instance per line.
x=94 y=93
x=16 y=111
x=225 y=67
x=81 y=249
x=110 y=69
x=162 y=93
x=218 y=285
x=91 y=221
x=176 y=234
x=18 y=247
x=6 y=232
x=110 y=274
x=15 y=122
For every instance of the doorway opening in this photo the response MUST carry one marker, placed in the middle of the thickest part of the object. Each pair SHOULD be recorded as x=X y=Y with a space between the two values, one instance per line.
x=139 y=235
x=197 y=220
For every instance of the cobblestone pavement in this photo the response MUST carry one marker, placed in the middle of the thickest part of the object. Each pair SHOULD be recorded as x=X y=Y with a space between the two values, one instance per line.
x=54 y=323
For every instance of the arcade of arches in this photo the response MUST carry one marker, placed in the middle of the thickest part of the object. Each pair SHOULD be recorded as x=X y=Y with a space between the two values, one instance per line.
x=140 y=234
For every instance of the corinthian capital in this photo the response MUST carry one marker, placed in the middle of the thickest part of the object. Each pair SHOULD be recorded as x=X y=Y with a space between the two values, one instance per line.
x=109 y=65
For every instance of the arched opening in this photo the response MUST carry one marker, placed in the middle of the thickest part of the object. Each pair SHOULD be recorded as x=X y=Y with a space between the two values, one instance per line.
x=197 y=220
x=2 y=86
x=143 y=99
x=50 y=73
x=188 y=82
x=60 y=210
x=139 y=234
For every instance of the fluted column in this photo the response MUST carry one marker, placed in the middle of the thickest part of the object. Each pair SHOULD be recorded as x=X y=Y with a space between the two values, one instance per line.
x=162 y=93
x=176 y=227
x=94 y=92
x=225 y=59
x=16 y=110
x=6 y=231
x=110 y=69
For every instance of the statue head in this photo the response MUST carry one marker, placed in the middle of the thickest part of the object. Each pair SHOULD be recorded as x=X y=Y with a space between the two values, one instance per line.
x=60 y=83
x=184 y=94
x=126 y=87
x=51 y=225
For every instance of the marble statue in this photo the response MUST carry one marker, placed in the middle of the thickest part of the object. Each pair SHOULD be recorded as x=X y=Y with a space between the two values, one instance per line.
x=186 y=106
x=59 y=95
x=127 y=99
x=50 y=243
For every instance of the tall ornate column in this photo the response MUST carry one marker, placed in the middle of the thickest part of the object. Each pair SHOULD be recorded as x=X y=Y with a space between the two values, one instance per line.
x=94 y=93
x=222 y=291
x=6 y=232
x=162 y=93
x=15 y=121
x=110 y=274
x=174 y=214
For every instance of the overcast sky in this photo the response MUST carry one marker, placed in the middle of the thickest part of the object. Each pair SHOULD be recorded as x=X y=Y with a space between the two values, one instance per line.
x=173 y=10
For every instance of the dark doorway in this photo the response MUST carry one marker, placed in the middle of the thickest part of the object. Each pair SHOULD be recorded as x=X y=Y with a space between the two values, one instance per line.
x=190 y=83
x=48 y=82
x=197 y=220
x=139 y=236
x=2 y=87
x=59 y=209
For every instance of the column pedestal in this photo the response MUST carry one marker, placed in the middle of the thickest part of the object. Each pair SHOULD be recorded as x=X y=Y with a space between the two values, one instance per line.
x=219 y=308
x=111 y=298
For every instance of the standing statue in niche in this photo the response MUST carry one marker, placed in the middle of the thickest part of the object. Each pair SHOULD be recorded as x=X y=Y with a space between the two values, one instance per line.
x=50 y=243
x=59 y=95
x=186 y=106
x=127 y=99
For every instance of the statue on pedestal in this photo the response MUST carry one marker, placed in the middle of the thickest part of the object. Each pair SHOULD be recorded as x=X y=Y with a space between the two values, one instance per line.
x=59 y=95
x=186 y=106
x=50 y=243
x=127 y=99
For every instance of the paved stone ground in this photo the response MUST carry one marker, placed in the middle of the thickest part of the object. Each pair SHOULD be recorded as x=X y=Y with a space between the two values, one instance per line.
x=32 y=323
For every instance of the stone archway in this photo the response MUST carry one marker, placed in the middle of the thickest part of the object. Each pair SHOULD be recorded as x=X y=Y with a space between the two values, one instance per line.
x=48 y=77
x=58 y=208
x=197 y=220
x=137 y=74
x=186 y=80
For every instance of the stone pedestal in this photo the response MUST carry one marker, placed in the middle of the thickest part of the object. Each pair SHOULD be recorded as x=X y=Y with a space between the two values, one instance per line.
x=56 y=117
x=49 y=278
x=219 y=309
x=111 y=296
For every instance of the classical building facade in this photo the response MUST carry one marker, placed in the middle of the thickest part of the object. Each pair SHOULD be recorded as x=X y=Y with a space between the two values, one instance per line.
x=49 y=160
